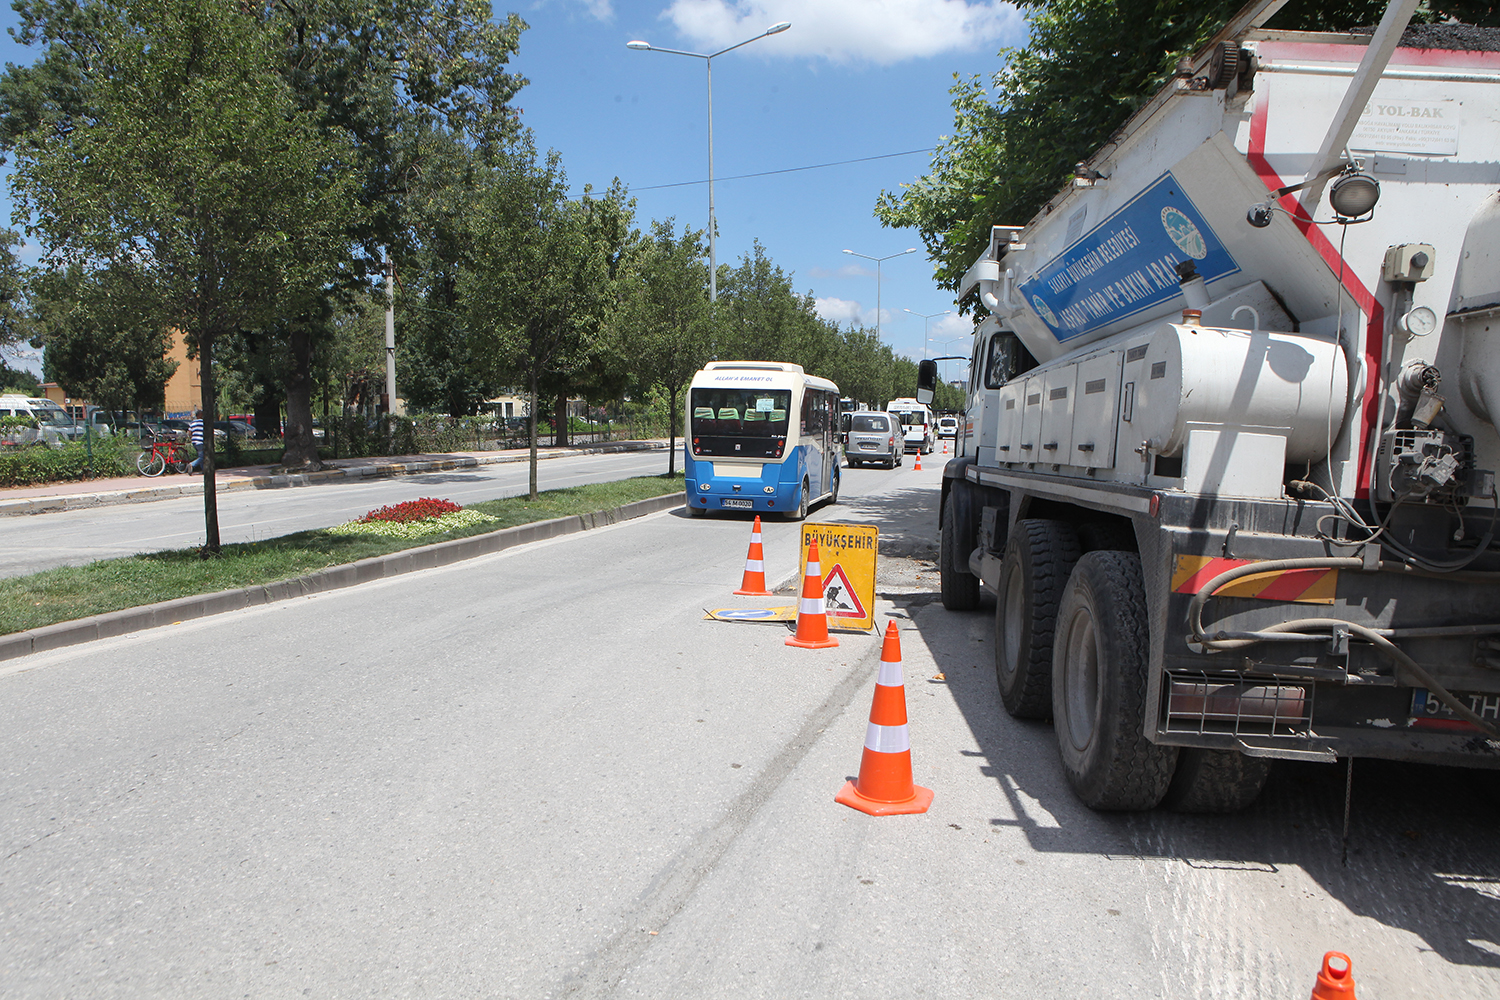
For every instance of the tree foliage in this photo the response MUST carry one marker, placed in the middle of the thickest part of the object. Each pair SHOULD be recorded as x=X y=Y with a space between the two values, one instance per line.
x=665 y=324
x=1086 y=68
x=104 y=337
x=538 y=285
x=190 y=164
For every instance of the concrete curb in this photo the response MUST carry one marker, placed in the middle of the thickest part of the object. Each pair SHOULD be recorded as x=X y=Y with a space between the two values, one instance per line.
x=182 y=609
x=79 y=501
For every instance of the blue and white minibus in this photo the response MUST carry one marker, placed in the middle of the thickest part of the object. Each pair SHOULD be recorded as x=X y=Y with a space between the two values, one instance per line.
x=761 y=436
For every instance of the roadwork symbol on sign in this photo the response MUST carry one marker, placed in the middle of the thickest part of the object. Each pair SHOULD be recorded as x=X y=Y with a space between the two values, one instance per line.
x=840 y=597
x=846 y=553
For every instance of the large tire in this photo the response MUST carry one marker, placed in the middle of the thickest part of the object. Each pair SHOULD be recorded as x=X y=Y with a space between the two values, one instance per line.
x=1215 y=781
x=960 y=588
x=833 y=500
x=1039 y=555
x=1099 y=687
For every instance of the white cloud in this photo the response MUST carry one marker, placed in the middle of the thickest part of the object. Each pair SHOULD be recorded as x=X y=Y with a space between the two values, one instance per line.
x=843 y=312
x=876 y=31
x=847 y=271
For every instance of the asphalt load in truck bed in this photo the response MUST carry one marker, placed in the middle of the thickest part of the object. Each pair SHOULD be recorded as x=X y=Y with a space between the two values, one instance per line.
x=1449 y=37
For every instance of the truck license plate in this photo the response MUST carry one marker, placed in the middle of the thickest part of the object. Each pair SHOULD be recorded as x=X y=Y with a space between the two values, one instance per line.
x=1428 y=712
x=735 y=502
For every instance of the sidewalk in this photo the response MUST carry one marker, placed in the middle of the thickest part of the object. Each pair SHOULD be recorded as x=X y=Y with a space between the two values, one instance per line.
x=141 y=489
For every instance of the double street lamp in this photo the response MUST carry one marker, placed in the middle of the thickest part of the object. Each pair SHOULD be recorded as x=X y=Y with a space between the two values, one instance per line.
x=927 y=319
x=708 y=61
x=878 y=261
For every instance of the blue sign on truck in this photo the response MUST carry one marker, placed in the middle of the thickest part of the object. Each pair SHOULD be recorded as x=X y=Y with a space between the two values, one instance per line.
x=1126 y=264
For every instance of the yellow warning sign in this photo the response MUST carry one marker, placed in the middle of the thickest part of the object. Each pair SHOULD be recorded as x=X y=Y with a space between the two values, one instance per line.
x=846 y=556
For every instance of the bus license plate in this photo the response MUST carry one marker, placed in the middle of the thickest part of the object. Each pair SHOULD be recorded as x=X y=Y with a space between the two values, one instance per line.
x=735 y=502
x=1426 y=710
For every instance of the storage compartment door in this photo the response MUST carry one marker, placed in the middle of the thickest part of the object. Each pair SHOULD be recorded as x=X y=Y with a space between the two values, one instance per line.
x=1059 y=392
x=1096 y=410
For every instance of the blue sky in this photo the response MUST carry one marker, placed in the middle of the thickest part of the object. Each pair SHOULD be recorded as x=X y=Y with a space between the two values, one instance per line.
x=850 y=79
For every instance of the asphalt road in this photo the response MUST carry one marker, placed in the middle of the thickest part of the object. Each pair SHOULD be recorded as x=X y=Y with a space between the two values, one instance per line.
x=73 y=538
x=543 y=774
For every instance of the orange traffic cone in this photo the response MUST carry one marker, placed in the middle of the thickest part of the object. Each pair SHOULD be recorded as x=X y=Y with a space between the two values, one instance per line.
x=812 y=613
x=918 y=466
x=885 y=786
x=945 y=446
x=1335 y=979
x=754 y=584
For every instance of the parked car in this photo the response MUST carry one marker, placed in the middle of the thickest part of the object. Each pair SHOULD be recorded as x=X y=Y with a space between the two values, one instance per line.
x=54 y=426
x=874 y=438
x=947 y=427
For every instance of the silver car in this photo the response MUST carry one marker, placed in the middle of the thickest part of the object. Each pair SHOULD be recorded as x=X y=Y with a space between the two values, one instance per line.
x=874 y=438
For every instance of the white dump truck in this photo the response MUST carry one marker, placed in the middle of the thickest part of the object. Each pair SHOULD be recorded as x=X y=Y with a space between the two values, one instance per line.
x=1227 y=461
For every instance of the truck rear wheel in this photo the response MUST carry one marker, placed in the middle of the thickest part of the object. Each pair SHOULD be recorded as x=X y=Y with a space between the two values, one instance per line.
x=960 y=588
x=1038 y=558
x=1099 y=687
x=1215 y=781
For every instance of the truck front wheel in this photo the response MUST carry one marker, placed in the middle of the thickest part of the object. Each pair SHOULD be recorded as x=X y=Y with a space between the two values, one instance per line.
x=1099 y=668
x=960 y=588
x=1038 y=558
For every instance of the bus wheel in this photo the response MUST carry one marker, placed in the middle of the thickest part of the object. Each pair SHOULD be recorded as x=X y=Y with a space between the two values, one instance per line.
x=1099 y=666
x=835 y=498
x=800 y=514
x=695 y=511
x=1039 y=555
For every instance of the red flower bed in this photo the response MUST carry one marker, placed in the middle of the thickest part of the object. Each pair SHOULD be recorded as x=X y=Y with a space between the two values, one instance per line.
x=412 y=510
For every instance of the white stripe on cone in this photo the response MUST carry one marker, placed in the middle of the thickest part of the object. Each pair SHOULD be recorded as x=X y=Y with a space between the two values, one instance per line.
x=887 y=739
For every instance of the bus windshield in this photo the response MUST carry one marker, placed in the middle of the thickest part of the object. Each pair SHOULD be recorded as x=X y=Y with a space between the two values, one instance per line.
x=739 y=423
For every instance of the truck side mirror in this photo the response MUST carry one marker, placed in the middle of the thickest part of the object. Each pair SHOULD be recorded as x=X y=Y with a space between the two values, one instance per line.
x=926 y=380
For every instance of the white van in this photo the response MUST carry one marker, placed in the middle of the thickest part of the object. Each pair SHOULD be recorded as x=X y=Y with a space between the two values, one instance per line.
x=54 y=426
x=917 y=420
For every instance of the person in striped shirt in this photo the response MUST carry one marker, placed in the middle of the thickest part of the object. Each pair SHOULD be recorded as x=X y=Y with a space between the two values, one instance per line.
x=195 y=431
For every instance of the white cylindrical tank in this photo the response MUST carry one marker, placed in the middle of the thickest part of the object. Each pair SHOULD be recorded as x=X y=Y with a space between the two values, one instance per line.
x=1196 y=376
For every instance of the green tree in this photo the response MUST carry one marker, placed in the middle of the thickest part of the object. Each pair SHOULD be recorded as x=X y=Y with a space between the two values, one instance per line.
x=18 y=380
x=760 y=317
x=104 y=337
x=1087 y=67
x=406 y=87
x=665 y=326
x=195 y=163
x=421 y=91
x=536 y=286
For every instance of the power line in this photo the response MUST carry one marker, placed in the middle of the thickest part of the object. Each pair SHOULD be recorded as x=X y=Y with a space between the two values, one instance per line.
x=787 y=170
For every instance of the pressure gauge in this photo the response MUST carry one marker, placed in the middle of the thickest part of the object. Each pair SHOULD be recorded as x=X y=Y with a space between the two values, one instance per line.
x=1419 y=322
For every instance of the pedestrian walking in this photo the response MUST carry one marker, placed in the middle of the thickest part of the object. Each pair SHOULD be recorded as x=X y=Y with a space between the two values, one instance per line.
x=195 y=431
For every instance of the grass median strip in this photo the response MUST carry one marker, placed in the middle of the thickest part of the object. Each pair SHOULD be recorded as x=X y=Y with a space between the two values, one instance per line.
x=71 y=592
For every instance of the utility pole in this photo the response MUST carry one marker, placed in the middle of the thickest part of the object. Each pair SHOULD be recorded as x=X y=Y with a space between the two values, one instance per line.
x=390 y=333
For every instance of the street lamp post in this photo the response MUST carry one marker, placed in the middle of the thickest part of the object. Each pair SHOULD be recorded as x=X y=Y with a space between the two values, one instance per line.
x=878 y=261
x=927 y=319
x=708 y=61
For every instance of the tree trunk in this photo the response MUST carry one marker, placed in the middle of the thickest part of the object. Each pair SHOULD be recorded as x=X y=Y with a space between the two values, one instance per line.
x=210 y=417
x=533 y=408
x=672 y=431
x=268 y=417
x=560 y=421
x=301 y=449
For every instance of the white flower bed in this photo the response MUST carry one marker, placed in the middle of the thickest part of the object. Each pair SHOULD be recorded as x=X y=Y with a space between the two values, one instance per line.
x=413 y=529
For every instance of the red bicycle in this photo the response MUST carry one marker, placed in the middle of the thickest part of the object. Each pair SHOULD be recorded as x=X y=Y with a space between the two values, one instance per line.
x=163 y=454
